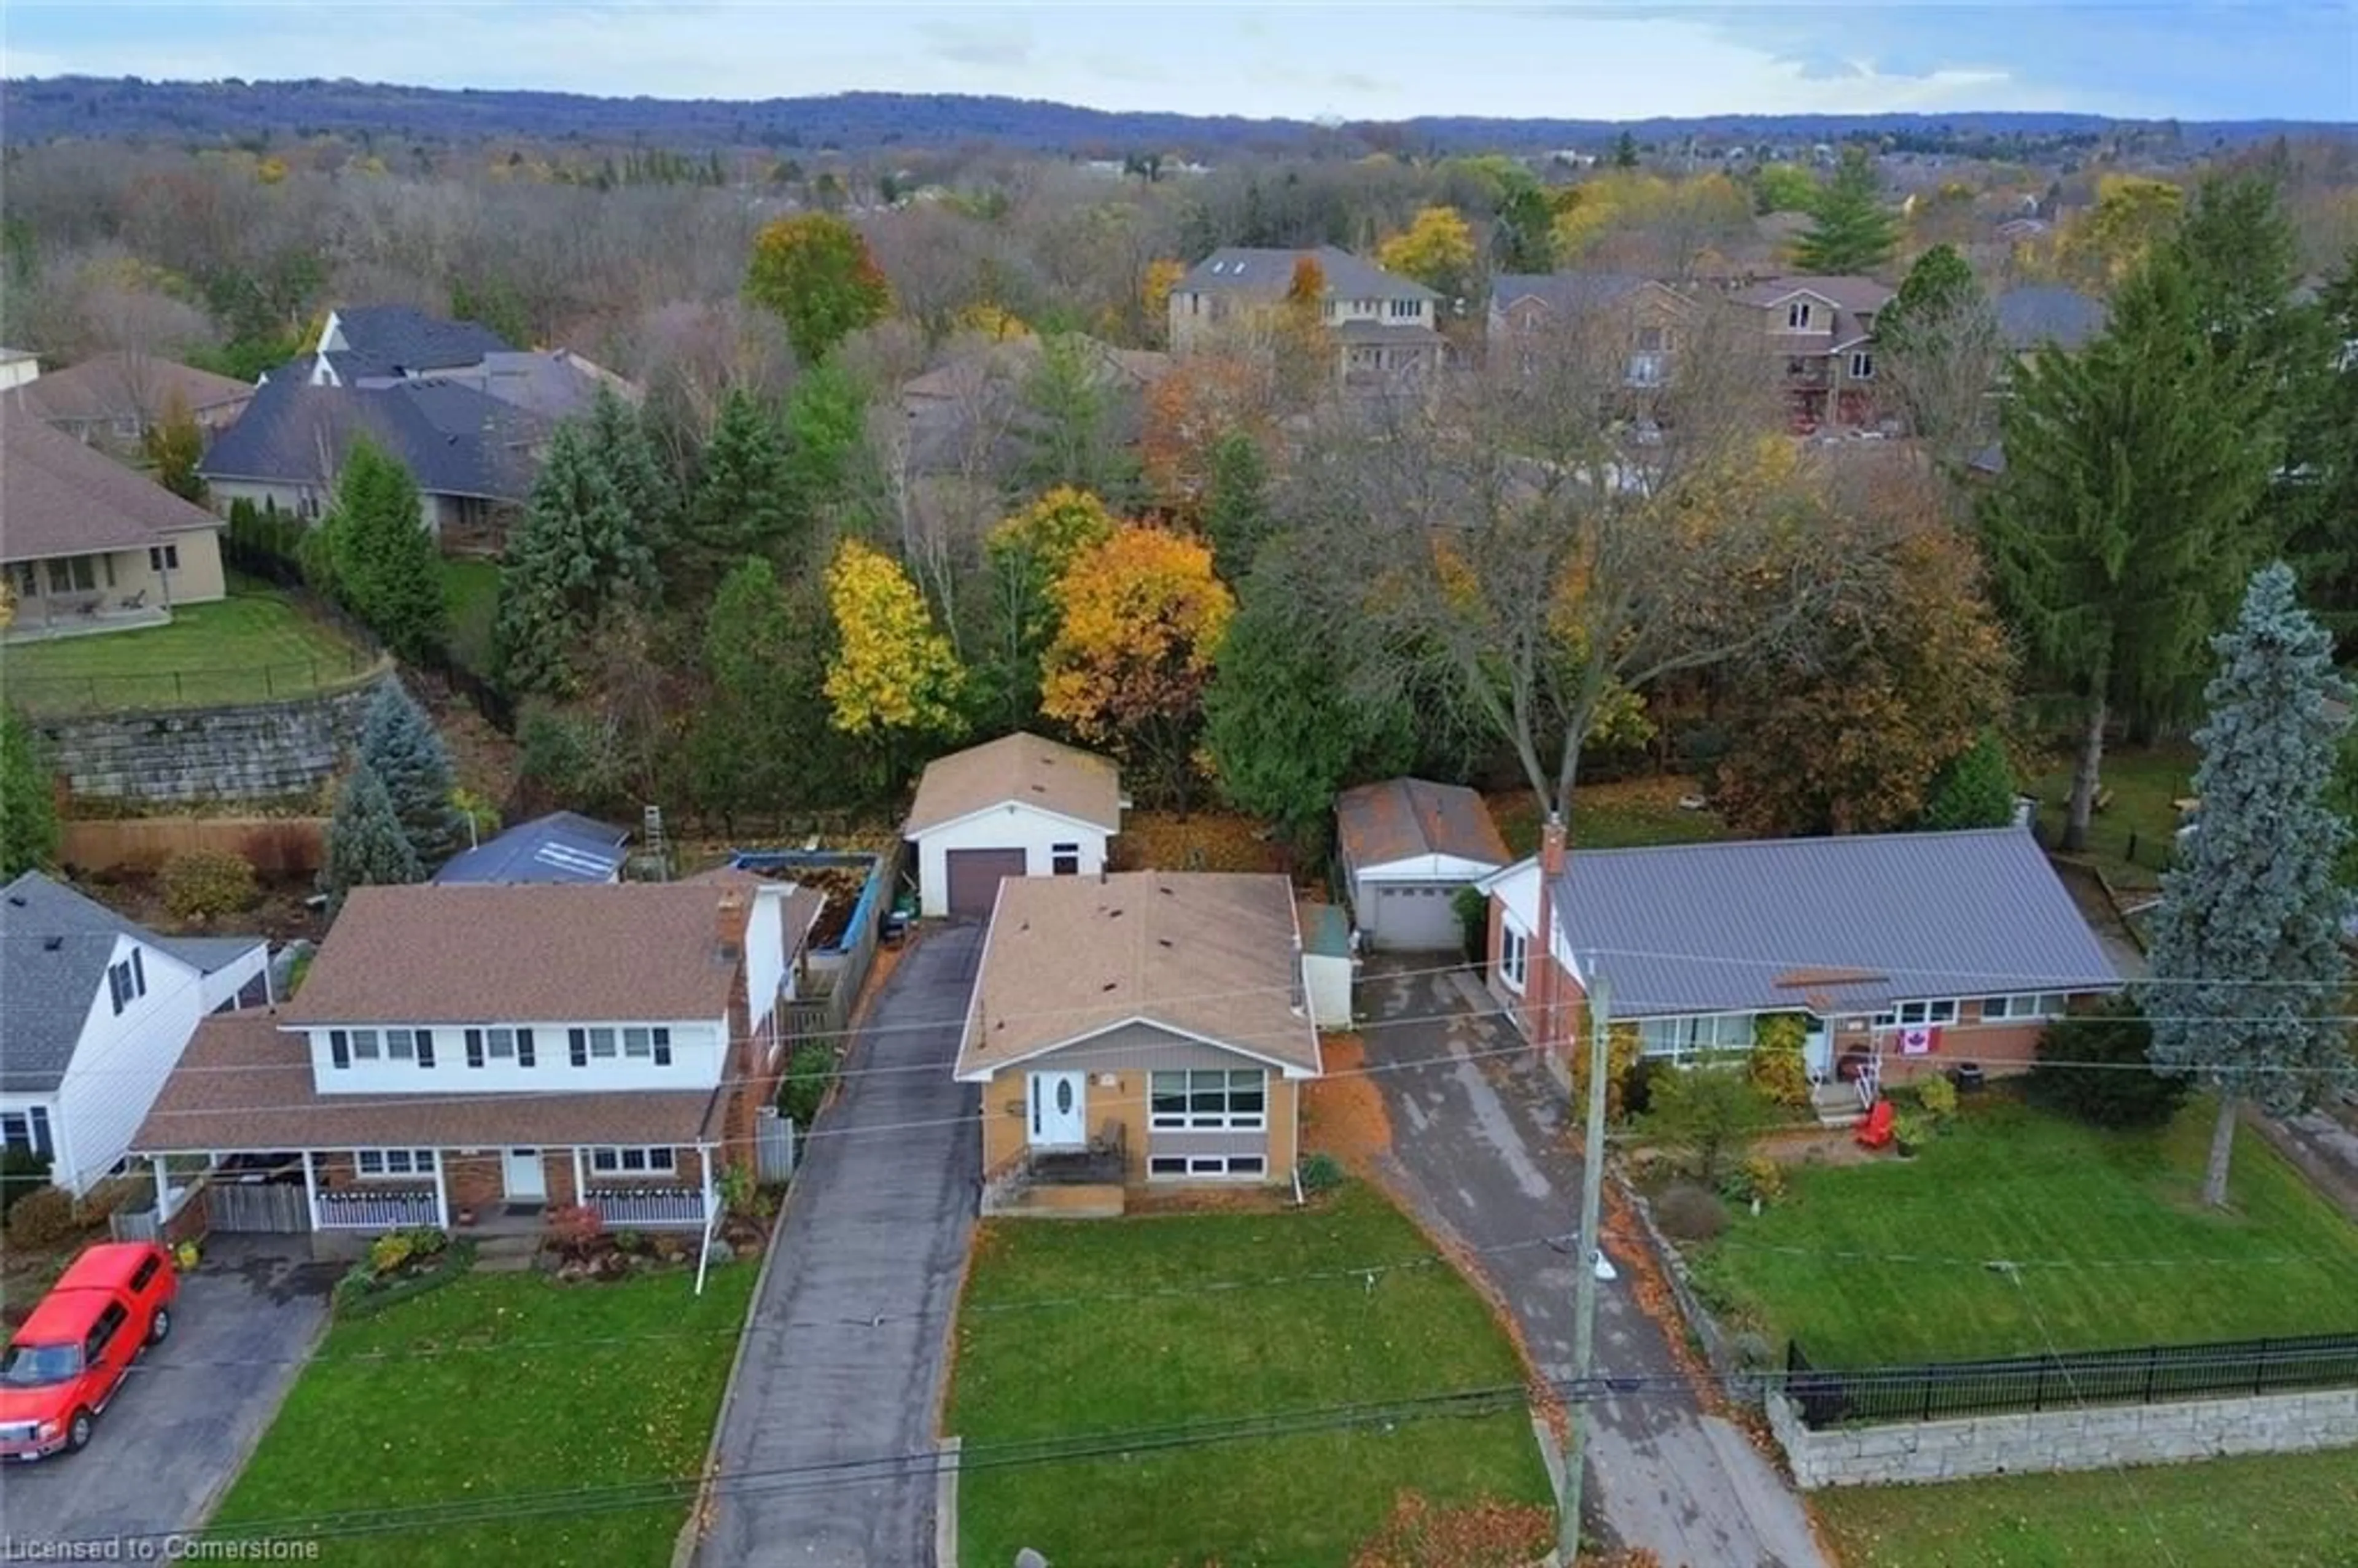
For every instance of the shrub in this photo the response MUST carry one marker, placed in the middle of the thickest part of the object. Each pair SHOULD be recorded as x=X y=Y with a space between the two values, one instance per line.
x=1758 y=1179
x=1320 y=1173
x=575 y=1230
x=200 y=884
x=1621 y=1059
x=21 y=1171
x=627 y=1240
x=1637 y=1087
x=43 y=1217
x=115 y=1192
x=361 y=1293
x=1778 y=1071
x=1689 y=1213
x=389 y=1252
x=809 y=1072
x=1938 y=1095
x=1708 y=1113
x=1912 y=1129
x=1472 y=907
x=2089 y=1067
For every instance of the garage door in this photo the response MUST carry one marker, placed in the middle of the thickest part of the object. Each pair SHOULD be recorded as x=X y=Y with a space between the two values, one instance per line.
x=1412 y=918
x=974 y=877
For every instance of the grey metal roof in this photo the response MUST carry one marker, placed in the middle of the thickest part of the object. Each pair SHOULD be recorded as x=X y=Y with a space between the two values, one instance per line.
x=453 y=440
x=1848 y=923
x=2047 y=313
x=563 y=846
x=552 y=384
x=1245 y=269
x=54 y=946
x=1567 y=293
x=396 y=340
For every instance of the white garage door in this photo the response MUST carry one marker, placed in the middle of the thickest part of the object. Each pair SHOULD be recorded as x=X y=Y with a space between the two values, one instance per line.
x=1411 y=917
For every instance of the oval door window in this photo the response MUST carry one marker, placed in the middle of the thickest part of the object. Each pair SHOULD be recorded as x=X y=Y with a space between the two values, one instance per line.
x=1064 y=1097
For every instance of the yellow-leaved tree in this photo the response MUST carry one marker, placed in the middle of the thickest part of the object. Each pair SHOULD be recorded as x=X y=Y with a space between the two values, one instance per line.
x=1139 y=619
x=1436 y=249
x=1162 y=275
x=2133 y=213
x=895 y=679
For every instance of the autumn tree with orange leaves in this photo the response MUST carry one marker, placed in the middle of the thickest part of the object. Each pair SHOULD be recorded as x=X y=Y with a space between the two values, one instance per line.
x=1203 y=399
x=1140 y=617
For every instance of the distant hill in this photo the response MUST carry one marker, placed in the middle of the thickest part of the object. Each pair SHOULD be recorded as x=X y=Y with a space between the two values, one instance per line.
x=47 y=109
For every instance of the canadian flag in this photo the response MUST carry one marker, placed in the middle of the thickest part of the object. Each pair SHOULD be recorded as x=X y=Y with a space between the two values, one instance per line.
x=1920 y=1040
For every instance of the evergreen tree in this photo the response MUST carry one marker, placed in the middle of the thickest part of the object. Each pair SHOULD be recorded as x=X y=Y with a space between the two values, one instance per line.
x=401 y=747
x=2248 y=937
x=382 y=562
x=579 y=551
x=1851 y=229
x=2322 y=463
x=827 y=419
x=1975 y=789
x=620 y=444
x=1938 y=343
x=1236 y=503
x=366 y=845
x=743 y=503
x=1625 y=151
x=29 y=805
x=1524 y=239
x=1068 y=430
x=2120 y=529
x=761 y=739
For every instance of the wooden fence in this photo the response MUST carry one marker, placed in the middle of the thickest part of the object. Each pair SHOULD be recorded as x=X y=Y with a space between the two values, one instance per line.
x=274 y=846
x=273 y=1207
x=828 y=1017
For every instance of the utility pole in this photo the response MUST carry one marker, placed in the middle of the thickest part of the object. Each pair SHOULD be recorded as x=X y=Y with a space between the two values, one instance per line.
x=1584 y=1291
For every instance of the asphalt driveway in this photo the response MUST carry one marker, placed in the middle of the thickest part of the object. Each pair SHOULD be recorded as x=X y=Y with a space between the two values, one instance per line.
x=1477 y=1145
x=193 y=1409
x=844 y=1360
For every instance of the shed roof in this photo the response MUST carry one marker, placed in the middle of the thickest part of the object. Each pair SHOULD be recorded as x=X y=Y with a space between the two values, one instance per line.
x=1023 y=768
x=467 y=953
x=246 y=1084
x=59 y=497
x=562 y=847
x=1215 y=954
x=1404 y=819
x=1853 y=923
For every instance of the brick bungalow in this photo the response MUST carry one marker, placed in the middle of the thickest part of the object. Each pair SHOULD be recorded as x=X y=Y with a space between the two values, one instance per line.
x=486 y=1053
x=1903 y=952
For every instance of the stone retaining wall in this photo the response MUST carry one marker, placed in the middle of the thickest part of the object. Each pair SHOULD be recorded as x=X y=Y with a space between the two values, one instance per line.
x=263 y=751
x=2096 y=1438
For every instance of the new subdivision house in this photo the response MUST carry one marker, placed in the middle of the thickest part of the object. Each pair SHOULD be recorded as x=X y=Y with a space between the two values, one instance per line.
x=90 y=545
x=1385 y=328
x=1818 y=342
x=1901 y=952
x=1017 y=807
x=479 y=1054
x=95 y=1012
x=1622 y=326
x=1138 y=1027
x=1409 y=847
x=114 y=399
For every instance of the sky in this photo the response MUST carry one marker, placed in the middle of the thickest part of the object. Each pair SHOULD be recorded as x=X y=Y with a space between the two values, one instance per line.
x=2194 y=59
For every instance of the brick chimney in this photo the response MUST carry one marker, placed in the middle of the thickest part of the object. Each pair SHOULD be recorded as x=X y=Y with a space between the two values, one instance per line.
x=1541 y=966
x=746 y=1090
x=730 y=916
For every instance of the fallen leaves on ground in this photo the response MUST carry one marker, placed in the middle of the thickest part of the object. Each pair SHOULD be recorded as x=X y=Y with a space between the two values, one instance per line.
x=1484 y=1534
x=1343 y=1113
x=1197 y=841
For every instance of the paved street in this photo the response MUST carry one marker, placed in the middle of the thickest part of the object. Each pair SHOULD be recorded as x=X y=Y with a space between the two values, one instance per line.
x=846 y=1355
x=1477 y=1144
x=192 y=1410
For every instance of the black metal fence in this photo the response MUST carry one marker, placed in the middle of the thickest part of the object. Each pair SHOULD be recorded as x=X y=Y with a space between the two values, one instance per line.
x=2151 y=1374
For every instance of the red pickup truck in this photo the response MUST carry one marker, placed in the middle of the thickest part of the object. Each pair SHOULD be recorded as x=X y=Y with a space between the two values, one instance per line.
x=69 y=1358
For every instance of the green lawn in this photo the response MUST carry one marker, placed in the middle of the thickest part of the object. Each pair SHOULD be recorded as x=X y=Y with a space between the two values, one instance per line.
x=248 y=647
x=1626 y=814
x=1074 y=1327
x=2288 y=1511
x=501 y=1384
x=2145 y=785
x=1884 y=1262
x=471 y=597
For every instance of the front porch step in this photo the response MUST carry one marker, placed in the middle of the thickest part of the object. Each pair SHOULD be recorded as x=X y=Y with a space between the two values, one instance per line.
x=1836 y=1105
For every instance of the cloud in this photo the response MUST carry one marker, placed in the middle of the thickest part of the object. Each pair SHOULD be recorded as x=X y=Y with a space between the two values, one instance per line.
x=995 y=42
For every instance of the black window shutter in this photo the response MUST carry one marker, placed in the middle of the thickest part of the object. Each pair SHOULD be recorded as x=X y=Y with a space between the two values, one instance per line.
x=138 y=974
x=524 y=1047
x=340 y=1047
x=426 y=1047
x=579 y=1039
x=474 y=1047
x=662 y=1047
x=114 y=985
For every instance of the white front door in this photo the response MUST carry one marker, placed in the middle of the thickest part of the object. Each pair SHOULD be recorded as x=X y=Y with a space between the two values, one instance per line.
x=1818 y=1050
x=526 y=1179
x=1060 y=1117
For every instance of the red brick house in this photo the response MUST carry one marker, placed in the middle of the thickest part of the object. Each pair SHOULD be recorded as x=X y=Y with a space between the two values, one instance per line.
x=1903 y=952
x=486 y=1053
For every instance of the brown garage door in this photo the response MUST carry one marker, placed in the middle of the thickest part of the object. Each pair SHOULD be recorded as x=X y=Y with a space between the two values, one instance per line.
x=974 y=879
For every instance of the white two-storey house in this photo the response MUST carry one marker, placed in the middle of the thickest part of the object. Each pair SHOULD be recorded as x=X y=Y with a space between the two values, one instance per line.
x=479 y=1055
x=94 y=1013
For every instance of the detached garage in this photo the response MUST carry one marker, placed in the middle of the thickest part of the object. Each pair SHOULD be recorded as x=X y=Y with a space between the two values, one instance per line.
x=1020 y=806
x=1408 y=846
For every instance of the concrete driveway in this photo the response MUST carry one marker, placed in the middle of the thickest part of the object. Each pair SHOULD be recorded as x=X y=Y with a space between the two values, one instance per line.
x=844 y=1360
x=1477 y=1144
x=193 y=1409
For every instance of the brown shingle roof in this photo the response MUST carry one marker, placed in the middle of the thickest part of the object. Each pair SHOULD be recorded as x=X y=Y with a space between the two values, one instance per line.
x=1213 y=953
x=243 y=1084
x=1020 y=767
x=111 y=386
x=474 y=952
x=1403 y=819
x=59 y=497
